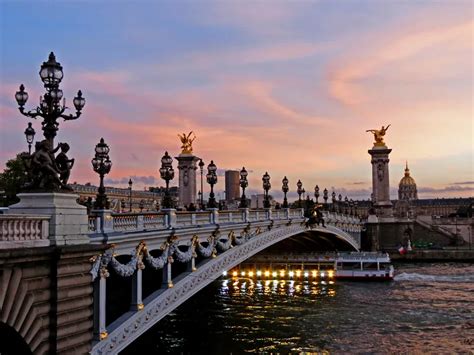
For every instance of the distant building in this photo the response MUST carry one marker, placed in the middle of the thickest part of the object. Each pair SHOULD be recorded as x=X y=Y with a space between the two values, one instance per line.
x=119 y=198
x=232 y=185
x=257 y=201
x=407 y=187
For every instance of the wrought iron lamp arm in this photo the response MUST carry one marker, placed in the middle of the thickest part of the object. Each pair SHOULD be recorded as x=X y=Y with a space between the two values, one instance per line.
x=32 y=113
x=70 y=116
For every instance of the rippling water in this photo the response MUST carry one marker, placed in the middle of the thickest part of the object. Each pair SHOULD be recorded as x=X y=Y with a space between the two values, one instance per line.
x=428 y=308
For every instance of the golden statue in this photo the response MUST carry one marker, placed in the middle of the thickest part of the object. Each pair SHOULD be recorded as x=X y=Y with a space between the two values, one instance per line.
x=378 y=135
x=187 y=141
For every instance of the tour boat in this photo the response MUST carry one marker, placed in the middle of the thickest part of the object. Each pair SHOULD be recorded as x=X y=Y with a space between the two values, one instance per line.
x=363 y=266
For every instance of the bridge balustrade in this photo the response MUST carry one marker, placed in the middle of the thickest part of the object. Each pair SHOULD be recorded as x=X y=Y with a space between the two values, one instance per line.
x=123 y=222
x=23 y=231
x=127 y=222
x=153 y=221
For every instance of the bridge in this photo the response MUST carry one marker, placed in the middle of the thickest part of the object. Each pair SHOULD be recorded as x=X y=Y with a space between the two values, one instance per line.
x=187 y=250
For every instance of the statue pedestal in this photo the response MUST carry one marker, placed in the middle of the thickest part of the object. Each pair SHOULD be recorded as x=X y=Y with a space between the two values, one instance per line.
x=69 y=222
x=187 y=179
x=381 y=180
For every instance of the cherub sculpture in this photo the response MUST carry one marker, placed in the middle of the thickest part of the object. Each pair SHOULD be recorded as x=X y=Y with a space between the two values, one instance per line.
x=64 y=164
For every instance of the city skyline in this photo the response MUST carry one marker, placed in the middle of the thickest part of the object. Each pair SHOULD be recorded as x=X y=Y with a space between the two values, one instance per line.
x=290 y=91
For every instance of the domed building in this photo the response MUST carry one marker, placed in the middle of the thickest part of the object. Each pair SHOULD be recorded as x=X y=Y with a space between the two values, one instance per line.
x=407 y=187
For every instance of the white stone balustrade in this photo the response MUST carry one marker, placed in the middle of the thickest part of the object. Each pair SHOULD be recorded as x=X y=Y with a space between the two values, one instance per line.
x=18 y=231
x=172 y=218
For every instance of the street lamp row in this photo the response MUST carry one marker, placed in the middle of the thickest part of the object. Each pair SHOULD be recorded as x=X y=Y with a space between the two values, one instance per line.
x=102 y=164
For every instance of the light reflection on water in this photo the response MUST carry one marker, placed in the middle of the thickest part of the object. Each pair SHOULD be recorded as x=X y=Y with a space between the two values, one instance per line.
x=430 y=309
x=249 y=287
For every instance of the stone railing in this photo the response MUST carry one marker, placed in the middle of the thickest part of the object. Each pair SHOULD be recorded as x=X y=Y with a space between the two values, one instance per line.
x=106 y=221
x=24 y=231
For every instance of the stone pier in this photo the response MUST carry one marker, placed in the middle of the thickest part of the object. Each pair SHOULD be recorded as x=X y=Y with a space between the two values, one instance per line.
x=187 y=179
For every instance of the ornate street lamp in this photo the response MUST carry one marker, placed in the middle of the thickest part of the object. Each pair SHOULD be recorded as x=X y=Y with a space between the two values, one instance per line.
x=211 y=178
x=50 y=107
x=299 y=191
x=101 y=165
x=201 y=200
x=285 y=189
x=266 y=186
x=130 y=183
x=167 y=174
x=346 y=203
x=30 y=136
x=351 y=205
x=316 y=193
x=333 y=195
x=243 y=184
x=325 y=197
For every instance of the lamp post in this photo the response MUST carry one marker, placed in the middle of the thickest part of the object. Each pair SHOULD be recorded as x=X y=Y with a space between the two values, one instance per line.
x=266 y=186
x=201 y=167
x=50 y=107
x=130 y=183
x=346 y=203
x=339 y=205
x=299 y=191
x=211 y=178
x=333 y=195
x=167 y=174
x=243 y=184
x=285 y=189
x=325 y=197
x=351 y=207
x=30 y=136
x=101 y=165
x=316 y=193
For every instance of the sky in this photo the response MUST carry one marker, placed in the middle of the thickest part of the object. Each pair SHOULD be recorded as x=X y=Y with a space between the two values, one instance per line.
x=288 y=87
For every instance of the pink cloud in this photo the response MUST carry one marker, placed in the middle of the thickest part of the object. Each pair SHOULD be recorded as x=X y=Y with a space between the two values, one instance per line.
x=345 y=79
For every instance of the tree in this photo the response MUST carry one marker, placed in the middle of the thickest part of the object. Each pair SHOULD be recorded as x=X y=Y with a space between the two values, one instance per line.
x=12 y=178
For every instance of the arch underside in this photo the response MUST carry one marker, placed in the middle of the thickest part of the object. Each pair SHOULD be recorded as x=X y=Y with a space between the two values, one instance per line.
x=131 y=325
x=21 y=321
x=311 y=240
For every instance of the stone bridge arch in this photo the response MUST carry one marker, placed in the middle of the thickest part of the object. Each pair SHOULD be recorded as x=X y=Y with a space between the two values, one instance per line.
x=46 y=299
x=131 y=325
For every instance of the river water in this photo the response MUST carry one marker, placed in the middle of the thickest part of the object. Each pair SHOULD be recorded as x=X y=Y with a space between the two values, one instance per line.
x=427 y=308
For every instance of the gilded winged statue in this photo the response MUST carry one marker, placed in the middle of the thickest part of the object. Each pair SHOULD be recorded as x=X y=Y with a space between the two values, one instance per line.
x=378 y=135
x=187 y=142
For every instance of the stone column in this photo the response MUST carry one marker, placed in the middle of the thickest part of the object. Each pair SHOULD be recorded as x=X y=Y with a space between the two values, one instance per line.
x=187 y=179
x=381 y=180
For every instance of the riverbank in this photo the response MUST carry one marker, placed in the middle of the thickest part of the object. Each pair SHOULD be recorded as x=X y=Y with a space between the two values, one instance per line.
x=459 y=255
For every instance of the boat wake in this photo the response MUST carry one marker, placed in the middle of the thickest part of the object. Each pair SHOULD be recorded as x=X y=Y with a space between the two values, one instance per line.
x=405 y=276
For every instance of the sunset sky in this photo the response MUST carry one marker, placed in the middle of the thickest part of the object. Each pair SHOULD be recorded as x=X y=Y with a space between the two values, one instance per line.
x=278 y=86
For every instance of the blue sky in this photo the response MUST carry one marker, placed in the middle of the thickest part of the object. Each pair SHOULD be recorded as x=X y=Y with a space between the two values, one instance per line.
x=287 y=87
